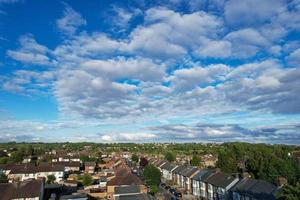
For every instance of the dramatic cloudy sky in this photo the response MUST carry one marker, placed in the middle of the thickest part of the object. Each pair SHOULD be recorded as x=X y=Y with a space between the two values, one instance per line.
x=147 y=70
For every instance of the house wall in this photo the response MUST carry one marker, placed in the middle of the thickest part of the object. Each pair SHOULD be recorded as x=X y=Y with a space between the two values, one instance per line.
x=167 y=175
x=210 y=192
x=195 y=188
x=23 y=177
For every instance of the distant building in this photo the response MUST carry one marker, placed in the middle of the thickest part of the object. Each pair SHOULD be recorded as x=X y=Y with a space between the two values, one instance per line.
x=25 y=172
x=90 y=167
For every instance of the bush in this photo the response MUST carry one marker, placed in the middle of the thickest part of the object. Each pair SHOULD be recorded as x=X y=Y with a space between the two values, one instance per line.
x=51 y=179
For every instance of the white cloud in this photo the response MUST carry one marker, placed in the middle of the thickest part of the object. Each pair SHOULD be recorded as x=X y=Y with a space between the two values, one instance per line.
x=142 y=69
x=215 y=49
x=178 y=32
x=187 y=79
x=70 y=21
x=252 y=12
x=294 y=57
x=128 y=137
x=246 y=42
x=31 y=52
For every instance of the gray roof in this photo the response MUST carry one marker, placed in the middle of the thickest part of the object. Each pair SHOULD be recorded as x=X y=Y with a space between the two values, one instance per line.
x=190 y=171
x=160 y=163
x=257 y=189
x=168 y=166
x=179 y=169
x=130 y=189
x=203 y=174
x=133 y=197
x=220 y=179
x=74 y=196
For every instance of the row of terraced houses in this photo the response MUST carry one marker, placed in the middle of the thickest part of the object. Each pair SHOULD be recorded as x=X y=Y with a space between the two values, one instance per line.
x=212 y=184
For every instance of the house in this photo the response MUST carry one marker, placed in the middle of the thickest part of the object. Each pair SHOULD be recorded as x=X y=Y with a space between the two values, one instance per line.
x=185 y=177
x=251 y=189
x=102 y=181
x=159 y=163
x=32 y=189
x=70 y=166
x=89 y=167
x=218 y=185
x=123 y=177
x=126 y=190
x=80 y=196
x=176 y=176
x=131 y=192
x=209 y=160
x=29 y=159
x=133 y=197
x=25 y=172
x=199 y=184
x=6 y=168
x=167 y=170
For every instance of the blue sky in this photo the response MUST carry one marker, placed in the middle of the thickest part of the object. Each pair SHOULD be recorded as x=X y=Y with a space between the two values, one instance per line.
x=150 y=71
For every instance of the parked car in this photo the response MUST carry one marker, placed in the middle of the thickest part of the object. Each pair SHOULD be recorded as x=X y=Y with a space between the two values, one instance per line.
x=172 y=190
x=178 y=194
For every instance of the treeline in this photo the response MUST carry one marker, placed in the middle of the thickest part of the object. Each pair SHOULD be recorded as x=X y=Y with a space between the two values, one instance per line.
x=261 y=161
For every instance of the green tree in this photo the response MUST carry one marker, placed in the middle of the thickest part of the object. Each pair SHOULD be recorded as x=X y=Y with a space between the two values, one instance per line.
x=154 y=188
x=16 y=157
x=289 y=192
x=196 y=161
x=51 y=179
x=3 y=178
x=152 y=175
x=87 y=180
x=170 y=156
x=134 y=158
x=84 y=158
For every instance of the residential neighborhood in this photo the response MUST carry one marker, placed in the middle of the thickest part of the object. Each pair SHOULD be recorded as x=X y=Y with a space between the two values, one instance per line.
x=126 y=175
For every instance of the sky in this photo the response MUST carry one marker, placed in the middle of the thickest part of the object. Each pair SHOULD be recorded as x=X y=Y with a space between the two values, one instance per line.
x=150 y=71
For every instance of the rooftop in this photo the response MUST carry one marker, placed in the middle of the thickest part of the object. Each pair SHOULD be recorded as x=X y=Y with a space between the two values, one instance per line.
x=130 y=189
x=26 y=189
x=257 y=189
x=220 y=179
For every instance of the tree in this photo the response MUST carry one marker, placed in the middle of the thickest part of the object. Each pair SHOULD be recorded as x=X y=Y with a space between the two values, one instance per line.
x=152 y=175
x=84 y=158
x=154 y=188
x=170 y=156
x=87 y=180
x=289 y=192
x=3 y=178
x=195 y=160
x=16 y=157
x=134 y=158
x=143 y=162
x=51 y=179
